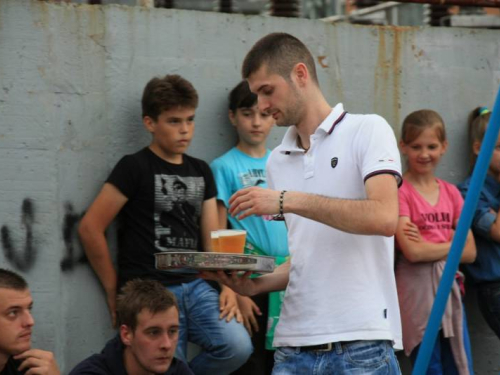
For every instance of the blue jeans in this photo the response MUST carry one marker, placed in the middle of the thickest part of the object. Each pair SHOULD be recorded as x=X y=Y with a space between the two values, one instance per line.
x=349 y=358
x=225 y=346
x=488 y=297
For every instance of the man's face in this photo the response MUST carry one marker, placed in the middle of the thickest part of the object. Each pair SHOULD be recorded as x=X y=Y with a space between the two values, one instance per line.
x=172 y=132
x=277 y=96
x=150 y=348
x=253 y=125
x=16 y=321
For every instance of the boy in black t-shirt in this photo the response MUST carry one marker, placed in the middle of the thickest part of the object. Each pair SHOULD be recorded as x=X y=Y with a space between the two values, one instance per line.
x=166 y=202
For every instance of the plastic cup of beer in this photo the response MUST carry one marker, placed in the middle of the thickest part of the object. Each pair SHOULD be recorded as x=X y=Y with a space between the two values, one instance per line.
x=214 y=237
x=232 y=241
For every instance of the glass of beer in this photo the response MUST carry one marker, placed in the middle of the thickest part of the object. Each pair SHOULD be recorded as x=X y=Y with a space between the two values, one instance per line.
x=232 y=241
x=214 y=237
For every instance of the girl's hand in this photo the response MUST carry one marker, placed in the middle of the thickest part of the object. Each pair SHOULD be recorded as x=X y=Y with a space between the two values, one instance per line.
x=228 y=305
x=412 y=233
x=248 y=310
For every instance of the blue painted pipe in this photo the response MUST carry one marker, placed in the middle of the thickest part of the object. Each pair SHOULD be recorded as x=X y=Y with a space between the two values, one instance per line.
x=464 y=222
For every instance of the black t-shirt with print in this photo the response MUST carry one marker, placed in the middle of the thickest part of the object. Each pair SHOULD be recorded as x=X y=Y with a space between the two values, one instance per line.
x=162 y=213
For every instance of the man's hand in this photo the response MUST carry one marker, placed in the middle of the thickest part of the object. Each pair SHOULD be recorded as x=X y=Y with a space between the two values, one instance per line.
x=248 y=310
x=229 y=305
x=242 y=285
x=254 y=201
x=38 y=362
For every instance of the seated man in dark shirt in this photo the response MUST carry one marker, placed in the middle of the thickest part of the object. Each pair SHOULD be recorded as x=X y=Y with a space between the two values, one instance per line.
x=16 y=324
x=148 y=320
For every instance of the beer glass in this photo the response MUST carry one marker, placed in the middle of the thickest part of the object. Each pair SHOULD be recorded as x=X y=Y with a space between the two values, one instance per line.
x=232 y=241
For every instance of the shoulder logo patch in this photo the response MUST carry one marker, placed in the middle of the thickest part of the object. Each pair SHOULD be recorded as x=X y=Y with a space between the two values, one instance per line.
x=334 y=162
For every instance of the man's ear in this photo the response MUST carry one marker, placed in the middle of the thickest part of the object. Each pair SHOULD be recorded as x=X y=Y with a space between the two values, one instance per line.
x=232 y=117
x=126 y=335
x=149 y=124
x=301 y=73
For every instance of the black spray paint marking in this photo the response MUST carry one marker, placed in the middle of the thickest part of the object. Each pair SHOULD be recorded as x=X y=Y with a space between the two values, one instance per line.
x=71 y=219
x=26 y=259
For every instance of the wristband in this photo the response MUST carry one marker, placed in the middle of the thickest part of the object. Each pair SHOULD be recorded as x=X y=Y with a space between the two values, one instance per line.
x=280 y=216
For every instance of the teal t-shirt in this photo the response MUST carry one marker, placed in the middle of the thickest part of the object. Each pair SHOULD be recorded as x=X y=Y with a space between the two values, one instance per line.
x=236 y=170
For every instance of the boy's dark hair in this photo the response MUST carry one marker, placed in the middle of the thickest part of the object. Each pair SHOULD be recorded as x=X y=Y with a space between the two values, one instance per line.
x=137 y=295
x=280 y=52
x=11 y=280
x=477 y=122
x=241 y=97
x=162 y=94
x=416 y=122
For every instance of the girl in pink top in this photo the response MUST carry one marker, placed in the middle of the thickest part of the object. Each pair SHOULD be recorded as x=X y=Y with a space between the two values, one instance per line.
x=428 y=213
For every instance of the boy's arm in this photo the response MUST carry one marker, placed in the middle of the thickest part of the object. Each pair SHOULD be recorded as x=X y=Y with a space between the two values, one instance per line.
x=92 y=233
x=209 y=222
x=376 y=215
x=222 y=214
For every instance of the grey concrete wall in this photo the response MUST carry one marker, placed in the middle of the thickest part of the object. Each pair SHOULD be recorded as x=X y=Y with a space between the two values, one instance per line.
x=71 y=77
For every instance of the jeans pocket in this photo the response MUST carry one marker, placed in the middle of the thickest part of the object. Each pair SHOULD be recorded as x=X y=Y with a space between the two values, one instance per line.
x=281 y=354
x=367 y=354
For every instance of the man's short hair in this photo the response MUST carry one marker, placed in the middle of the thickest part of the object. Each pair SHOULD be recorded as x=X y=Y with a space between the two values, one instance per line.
x=137 y=295
x=280 y=52
x=163 y=94
x=11 y=280
x=241 y=97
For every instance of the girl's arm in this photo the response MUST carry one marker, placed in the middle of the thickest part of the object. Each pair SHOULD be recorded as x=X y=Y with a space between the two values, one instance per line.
x=415 y=249
x=495 y=228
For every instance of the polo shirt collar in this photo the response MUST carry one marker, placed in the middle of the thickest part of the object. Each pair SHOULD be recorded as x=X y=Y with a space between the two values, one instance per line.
x=289 y=143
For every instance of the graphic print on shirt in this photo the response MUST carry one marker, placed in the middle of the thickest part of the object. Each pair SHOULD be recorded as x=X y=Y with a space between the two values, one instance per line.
x=177 y=212
x=435 y=220
x=252 y=177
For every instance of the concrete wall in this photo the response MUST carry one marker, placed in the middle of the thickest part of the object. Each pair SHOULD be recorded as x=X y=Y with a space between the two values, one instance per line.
x=71 y=77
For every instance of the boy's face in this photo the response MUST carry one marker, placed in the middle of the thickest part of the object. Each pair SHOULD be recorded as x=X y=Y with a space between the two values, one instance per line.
x=253 y=126
x=172 y=132
x=16 y=322
x=150 y=348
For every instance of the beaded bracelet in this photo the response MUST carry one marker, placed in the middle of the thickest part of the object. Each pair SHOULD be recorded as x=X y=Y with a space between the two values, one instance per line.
x=280 y=216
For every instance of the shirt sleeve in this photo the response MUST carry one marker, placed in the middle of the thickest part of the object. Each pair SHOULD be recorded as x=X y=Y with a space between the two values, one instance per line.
x=126 y=175
x=377 y=148
x=222 y=181
x=211 y=189
x=483 y=218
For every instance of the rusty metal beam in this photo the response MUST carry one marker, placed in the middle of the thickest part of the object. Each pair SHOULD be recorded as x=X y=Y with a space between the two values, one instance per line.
x=467 y=3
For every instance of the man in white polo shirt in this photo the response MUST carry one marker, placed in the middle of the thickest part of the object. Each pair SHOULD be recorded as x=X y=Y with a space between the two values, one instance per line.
x=334 y=180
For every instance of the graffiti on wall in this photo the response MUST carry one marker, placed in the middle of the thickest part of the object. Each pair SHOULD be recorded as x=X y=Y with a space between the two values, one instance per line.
x=22 y=254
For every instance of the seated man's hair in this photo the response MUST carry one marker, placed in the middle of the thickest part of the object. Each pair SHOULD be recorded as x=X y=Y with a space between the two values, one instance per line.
x=241 y=97
x=169 y=92
x=137 y=295
x=280 y=52
x=11 y=280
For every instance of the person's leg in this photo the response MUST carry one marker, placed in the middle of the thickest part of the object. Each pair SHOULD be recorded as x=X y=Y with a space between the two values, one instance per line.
x=181 y=350
x=258 y=363
x=488 y=298
x=225 y=345
x=447 y=360
x=291 y=361
x=435 y=367
x=374 y=357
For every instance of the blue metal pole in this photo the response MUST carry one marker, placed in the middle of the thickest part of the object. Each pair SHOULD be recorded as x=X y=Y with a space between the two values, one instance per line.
x=464 y=222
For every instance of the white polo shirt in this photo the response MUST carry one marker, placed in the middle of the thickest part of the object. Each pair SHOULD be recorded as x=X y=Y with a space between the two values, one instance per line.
x=342 y=286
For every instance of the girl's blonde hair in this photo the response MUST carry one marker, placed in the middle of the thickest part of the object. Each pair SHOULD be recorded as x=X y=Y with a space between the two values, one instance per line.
x=416 y=122
x=477 y=122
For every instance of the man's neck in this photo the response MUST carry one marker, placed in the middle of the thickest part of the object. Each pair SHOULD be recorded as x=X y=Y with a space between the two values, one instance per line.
x=255 y=151
x=316 y=111
x=131 y=365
